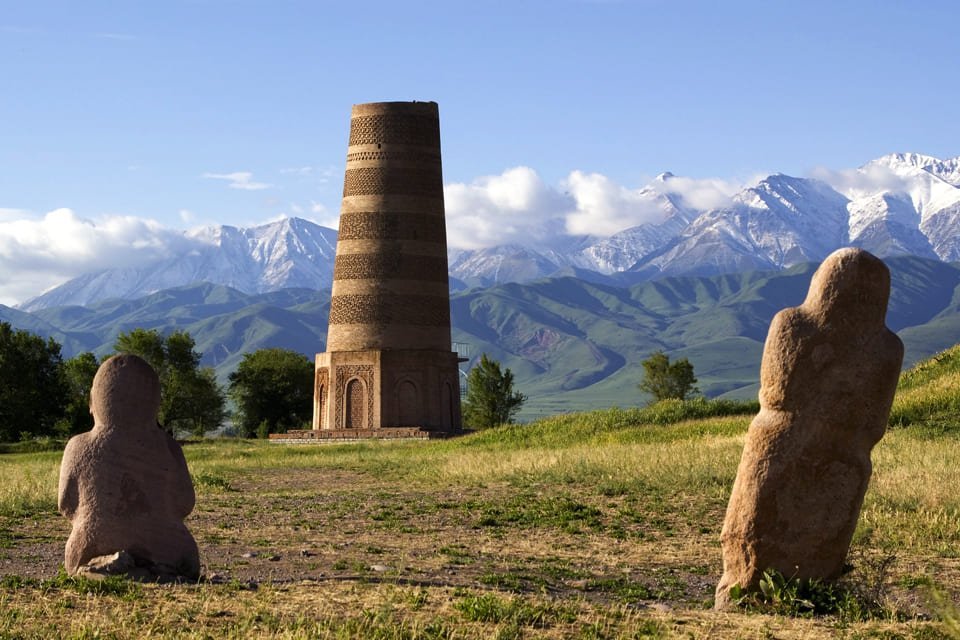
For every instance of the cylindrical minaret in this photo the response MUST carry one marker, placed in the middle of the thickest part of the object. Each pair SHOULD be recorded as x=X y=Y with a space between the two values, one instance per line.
x=388 y=361
x=390 y=288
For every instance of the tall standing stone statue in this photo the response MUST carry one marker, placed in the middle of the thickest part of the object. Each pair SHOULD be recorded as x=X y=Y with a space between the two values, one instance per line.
x=125 y=485
x=827 y=380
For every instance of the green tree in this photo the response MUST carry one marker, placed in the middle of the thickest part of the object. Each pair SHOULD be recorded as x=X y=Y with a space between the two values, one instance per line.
x=664 y=379
x=490 y=400
x=79 y=372
x=273 y=391
x=33 y=391
x=191 y=399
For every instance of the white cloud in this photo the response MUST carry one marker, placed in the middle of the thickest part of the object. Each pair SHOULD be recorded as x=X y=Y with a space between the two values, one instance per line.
x=867 y=180
x=21 y=30
x=302 y=172
x=323 y=216
x=604 y=207
x=40 y=253
x=703 y=193
x=239 y=180
x=515 y=206
x=326 y=174
x=321 y=175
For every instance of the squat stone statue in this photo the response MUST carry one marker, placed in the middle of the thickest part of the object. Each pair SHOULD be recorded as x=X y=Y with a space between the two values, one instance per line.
x=827 y=379
x=125 y=486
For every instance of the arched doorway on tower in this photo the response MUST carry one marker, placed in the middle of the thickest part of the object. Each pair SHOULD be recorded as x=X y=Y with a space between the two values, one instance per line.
x=355 y=405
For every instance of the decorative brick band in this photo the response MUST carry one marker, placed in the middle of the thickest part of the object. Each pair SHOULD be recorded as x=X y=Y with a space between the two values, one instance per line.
x=390 y=266
x=392 y=226
x=400 y=181
x=395 y=129
x=413 y=157
x=390 y=309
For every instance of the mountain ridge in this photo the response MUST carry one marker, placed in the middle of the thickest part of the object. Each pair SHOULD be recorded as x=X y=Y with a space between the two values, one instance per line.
x=898 y=204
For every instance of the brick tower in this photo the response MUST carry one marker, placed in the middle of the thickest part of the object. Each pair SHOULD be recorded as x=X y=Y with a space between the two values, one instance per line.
x=389 y=361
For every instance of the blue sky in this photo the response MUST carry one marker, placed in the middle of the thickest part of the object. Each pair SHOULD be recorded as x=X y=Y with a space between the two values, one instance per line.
x=168 y=115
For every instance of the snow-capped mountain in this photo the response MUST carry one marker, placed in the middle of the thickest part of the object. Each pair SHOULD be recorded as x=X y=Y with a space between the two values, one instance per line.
x=899 y=204
x=624 y=249
x=288 y=253
x=922 y=204
x=503 y=263
x=778 y=223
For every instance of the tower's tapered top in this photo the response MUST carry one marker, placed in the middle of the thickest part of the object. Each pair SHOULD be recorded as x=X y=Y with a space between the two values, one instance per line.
x=416 y=107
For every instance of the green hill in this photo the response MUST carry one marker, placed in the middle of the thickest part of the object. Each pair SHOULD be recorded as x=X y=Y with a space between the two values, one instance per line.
x=576 y=345
x=928 y=396
x=572 y=344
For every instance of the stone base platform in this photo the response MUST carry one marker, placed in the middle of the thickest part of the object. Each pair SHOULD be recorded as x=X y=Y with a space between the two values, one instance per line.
x=333 y=436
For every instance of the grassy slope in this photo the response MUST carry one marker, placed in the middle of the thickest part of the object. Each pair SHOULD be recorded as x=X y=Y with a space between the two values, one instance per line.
x=928 y=396
x=568 y=527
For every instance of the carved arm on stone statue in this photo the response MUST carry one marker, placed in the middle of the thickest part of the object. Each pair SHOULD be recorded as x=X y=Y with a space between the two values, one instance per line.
x=184 y=490
x=68 y=493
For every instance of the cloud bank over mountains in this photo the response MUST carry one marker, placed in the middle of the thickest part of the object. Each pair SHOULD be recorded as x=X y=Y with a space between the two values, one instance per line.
x=515 y=207
x=39 y=253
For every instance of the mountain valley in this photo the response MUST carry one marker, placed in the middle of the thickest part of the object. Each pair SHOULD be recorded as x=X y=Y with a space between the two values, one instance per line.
x=572 y=343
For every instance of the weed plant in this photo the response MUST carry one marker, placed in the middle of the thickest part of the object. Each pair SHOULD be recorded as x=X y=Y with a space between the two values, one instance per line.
x=783 y=595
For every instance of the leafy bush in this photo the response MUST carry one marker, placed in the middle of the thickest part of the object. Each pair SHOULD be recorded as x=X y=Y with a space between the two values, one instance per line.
x=33 y=389
x=491 y=400
x=666 y=380
x=273 y=391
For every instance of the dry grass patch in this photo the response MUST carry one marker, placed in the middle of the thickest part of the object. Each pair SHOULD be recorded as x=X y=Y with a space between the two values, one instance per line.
x=590 y=526
x=28 y=483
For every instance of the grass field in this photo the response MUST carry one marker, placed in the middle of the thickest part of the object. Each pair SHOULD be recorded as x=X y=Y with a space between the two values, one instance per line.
x=595 y=525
